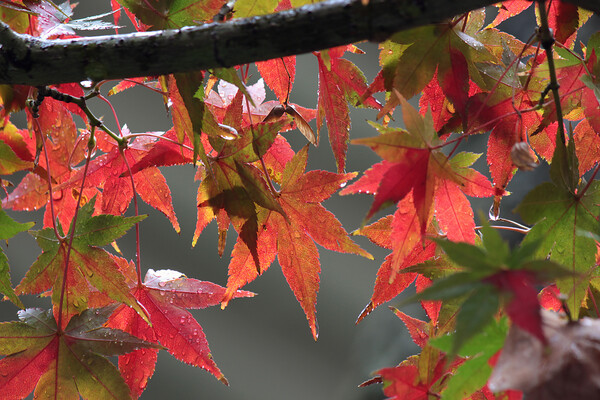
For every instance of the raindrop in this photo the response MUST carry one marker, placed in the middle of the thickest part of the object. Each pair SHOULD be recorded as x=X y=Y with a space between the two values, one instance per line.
x=491 y=215
x=162 y=284
x=343 y=184
x=93 y=154
x=87 y=84
x=56 y=196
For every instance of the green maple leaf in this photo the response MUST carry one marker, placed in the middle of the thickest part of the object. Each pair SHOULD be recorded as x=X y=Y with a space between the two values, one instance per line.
x=559 y=216
x=8 y=229
x=88 y=263
x=63 y=364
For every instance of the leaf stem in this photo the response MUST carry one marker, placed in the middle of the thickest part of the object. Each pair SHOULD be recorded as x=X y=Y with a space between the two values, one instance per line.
x=138 y=256
x=81 y=103
x=52 y=212
x=91 y=145
x=547 y=40
x=104 y=99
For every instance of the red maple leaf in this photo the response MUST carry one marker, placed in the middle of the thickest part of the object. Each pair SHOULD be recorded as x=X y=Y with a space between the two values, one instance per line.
x=423 y=182
x=220 y=102
x=340 y=81
x=110 y=173
x=523 y=308
x=419 y=330
x=549 y=298
x=63 y=363
x=509 y=9
x=418 y=377
x=65 y=151
x=166 y=295
x=279 y=74
x=293 y=239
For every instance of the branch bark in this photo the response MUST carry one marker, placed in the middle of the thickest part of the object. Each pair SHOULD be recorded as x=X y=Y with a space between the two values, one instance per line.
x=32 y=61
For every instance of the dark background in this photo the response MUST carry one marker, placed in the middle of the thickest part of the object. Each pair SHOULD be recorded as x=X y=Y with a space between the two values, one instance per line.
x=263 y=344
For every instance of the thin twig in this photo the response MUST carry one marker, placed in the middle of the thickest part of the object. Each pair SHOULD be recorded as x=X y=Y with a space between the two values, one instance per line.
x=138 y=257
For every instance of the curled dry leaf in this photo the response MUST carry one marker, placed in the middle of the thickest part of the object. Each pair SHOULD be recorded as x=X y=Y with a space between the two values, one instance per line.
x=568 y=368
x=278 y=111
x=523 y=157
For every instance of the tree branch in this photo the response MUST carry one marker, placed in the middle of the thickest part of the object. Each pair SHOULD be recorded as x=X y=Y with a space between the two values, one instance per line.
x=32 y=61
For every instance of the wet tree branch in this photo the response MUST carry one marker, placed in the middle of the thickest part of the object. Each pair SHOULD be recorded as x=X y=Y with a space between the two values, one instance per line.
x=33 y=61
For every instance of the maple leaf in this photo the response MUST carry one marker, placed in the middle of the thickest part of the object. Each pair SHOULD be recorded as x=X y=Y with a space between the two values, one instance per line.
x=558 y=216
x=55 y=122
x=587 y=146
x=550 y=298
x=508 y=128
x=260 y=110
x=110 y=172
x=433 y=373
x=340 y=82
x=565 y=20
x=14 y=152
x=191 y=115
x=416 y=378
x=413 y=163
x=415 y=56
x=63 y=363
x=293 y=240
x=8 y=229
x=491 y=273
x=472 y=375
x=391 y=281
x=509 y=9
x=163 y=152
x=423 y=182
x=589 y=96
x=562 y=212
x=87 y=263
x=419 y=330
x=249 y=8
x=233 y=186
x=333 y=107
x=166 y=295
x=279 y=75
x=166 y=14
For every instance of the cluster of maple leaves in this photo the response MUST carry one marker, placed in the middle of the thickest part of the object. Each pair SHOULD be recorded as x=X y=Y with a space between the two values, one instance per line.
x=471 y=77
